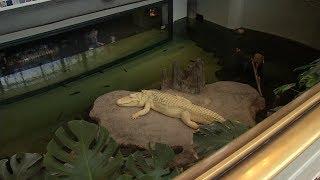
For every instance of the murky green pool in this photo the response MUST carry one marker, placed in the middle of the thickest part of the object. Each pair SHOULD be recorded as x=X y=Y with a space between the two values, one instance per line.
x=28 y=125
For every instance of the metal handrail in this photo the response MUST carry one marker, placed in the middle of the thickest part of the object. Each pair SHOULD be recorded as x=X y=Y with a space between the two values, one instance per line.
x=222 y=160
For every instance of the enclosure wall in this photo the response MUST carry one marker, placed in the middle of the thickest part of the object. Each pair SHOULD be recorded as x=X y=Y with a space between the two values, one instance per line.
x=296 y=20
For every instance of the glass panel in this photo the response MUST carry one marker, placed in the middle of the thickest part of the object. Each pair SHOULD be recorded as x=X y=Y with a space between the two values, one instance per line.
x=39 y=63
x=5 y=3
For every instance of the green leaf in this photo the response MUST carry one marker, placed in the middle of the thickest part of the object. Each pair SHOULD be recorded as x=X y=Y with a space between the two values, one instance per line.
x=154 y=168
x=311 y=75
x=303 y=67
x=22 y=166
x=283 y=88
x=124 y=177
x=83 y=150
x=309 y=80
x=308 y=66
x=214 y=136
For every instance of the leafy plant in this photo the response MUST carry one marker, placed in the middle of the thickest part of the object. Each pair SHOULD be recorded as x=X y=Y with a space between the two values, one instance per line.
x=125 y=177
x=212 y=137
x=83 y=150
x=155 y=167
x=284 y=88
x=21 y=166
x=309 y=77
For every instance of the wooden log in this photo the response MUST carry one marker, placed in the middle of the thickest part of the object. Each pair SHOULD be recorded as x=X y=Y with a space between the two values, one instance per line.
x=189 y=80
x=176 y=76
x=166 y=82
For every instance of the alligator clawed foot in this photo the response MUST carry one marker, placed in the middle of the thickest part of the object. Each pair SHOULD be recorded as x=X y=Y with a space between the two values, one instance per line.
x=134 y=116
x=196 y=130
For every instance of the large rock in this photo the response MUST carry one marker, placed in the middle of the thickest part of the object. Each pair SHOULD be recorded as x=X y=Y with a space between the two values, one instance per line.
x=153 y=127
x=232 y=100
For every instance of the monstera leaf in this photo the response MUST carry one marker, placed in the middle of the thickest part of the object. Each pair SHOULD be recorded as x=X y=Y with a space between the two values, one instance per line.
x=153 y=168
x=21 y=166
x=83 y=150
x=212 y=137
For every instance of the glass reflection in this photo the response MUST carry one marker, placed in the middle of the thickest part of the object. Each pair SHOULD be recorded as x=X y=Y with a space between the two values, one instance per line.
x=37 y=64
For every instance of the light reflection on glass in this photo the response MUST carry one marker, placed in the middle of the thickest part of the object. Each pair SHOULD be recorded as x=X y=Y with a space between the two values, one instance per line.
x=39 y=63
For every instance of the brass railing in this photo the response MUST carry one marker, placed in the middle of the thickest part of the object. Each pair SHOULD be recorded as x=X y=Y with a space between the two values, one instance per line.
x=265 y=159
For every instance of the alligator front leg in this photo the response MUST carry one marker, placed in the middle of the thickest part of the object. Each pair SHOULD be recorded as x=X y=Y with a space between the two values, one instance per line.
x=144 y=111
x=186 y=118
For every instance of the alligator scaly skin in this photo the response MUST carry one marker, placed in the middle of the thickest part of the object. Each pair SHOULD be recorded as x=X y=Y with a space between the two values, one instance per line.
x=172 y=106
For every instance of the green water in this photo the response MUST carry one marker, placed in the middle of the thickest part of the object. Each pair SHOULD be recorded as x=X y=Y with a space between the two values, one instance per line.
x=92 y=59
x=28 y=125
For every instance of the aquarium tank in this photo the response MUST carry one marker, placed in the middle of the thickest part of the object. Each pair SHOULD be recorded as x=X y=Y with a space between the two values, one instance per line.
x=34 y=66
x=50 y=66
x=141 y=89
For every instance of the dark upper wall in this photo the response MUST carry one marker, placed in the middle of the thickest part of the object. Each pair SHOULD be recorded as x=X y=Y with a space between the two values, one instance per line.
x=216 y=11
x=292 y=19
x=296 y=20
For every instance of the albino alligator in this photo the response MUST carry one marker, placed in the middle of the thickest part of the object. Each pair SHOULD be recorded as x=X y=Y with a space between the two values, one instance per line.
x=170 y=105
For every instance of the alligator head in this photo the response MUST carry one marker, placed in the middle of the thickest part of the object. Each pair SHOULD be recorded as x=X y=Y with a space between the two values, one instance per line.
x=135 y=99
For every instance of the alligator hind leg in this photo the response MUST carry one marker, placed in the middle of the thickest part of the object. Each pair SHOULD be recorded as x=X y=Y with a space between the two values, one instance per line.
x=186 y=118
x=144 y=111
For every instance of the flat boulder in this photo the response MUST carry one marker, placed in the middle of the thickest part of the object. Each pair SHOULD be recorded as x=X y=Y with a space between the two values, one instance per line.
x=232 y=100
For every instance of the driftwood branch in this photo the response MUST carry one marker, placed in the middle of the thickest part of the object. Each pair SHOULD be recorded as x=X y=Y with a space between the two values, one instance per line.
x=256 y=62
